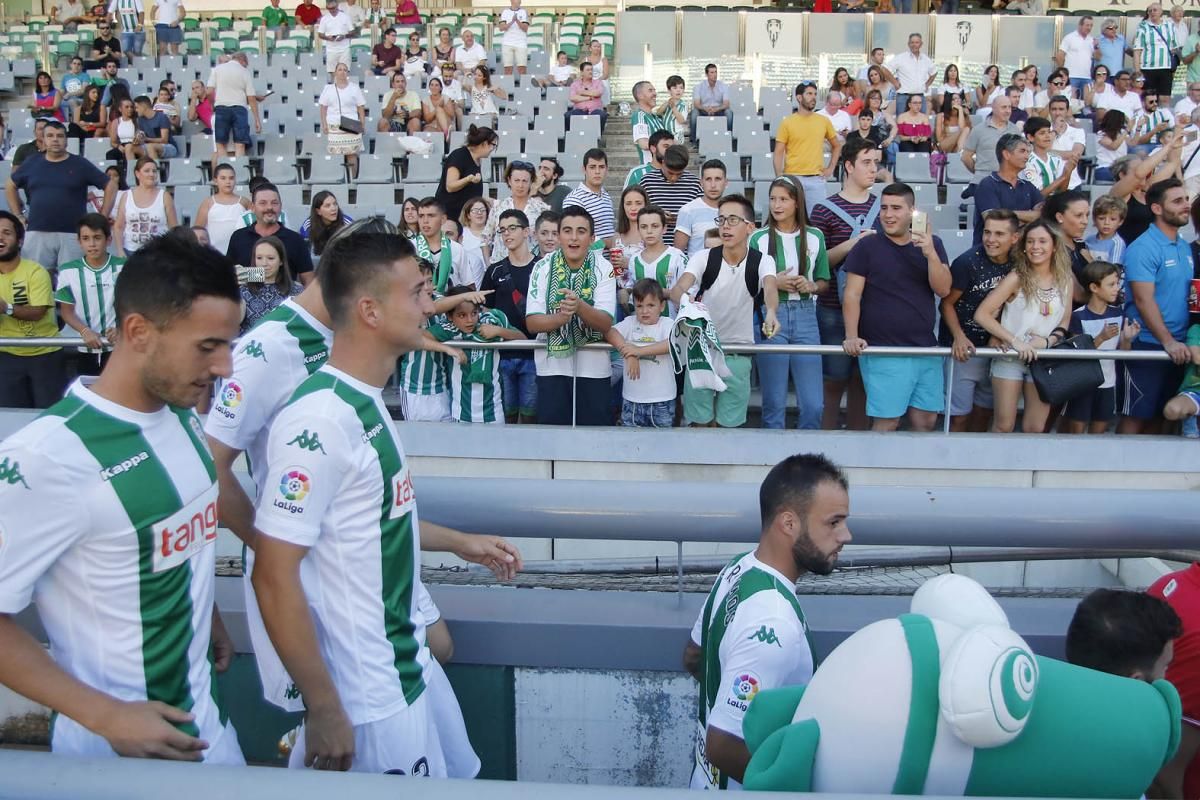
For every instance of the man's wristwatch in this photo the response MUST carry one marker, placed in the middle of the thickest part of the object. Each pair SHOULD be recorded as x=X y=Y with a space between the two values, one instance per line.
x=8 y=310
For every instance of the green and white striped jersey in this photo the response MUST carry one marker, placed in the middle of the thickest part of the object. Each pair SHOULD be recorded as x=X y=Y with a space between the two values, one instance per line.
x=475 y=389
x=665 y=269
x=634 y=178
x=1156 y=43
x=339 y=484
x=787 y=255
x=644 y=124
x=108 y=519
x=753 y=636
x=90 y=290
x=127 y=12
x=423 y=372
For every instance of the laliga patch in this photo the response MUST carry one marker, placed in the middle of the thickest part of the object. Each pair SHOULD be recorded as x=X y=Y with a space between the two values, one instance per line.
x=745 y=686
x=186 y=532
x=294 y=487
x=229 y=399
x=404 y=498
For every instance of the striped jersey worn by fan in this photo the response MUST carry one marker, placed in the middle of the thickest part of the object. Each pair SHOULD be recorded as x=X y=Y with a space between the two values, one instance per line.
x=753 y=636
x=270 y=361
x=337 y=482
x=475 y=389
x=90 y=290
x=119 y=557
x=1156 y=43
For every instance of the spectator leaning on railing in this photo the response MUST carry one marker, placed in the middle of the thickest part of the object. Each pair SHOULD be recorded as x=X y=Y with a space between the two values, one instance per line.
x=30 y=377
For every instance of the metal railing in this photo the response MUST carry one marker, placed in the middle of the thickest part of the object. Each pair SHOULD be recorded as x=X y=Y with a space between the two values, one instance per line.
x=944 y=353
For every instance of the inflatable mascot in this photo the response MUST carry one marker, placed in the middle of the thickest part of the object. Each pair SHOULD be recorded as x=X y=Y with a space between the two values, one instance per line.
x=948 y=700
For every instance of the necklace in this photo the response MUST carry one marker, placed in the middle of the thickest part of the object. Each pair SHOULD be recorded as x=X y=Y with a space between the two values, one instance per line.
x=1045 y=297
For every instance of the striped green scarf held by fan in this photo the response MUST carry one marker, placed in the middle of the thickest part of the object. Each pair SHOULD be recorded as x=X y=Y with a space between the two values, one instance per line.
x=563 y=342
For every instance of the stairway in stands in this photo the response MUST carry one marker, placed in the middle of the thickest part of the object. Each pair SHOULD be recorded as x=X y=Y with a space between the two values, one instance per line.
x=623 y=156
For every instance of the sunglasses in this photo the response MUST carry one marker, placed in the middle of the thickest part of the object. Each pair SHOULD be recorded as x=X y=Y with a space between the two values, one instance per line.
x=521 y=165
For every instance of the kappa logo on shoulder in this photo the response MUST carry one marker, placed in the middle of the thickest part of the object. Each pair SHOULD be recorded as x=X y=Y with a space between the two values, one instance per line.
x=254 y=349
x=10 y=473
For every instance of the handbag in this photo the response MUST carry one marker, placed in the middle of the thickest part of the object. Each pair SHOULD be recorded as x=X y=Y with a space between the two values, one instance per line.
x=1059 y=380
x=346 y=124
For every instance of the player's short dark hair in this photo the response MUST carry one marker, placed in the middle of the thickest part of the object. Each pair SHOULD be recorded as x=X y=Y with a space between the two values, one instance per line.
x=741 y=200
x=1035 y=124
x=453 y=291
x=714 y=163
x=655 y=211
x=550 y=215
x=1158 y=190
x=1002 y=215
x=647 y=287
x=142 y=100
x=676 y=157
x=166 y=275
x=790 y=484
x=432 y=202
x=899 y=189
x=517 y=214
x=856 y=147
x=16 y=223
x=265 y=186
x=1094 y=272
x=866 y=114
x=659 y=135
x=1120 y=632
x=579 y=212
x=95 y=222
x=352 y=265
x=595 y=154
x=673 y=81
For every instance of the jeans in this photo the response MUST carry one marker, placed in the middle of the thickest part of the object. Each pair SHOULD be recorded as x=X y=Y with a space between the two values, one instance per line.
x=133 y=42
x=892 y=150
x=832 y=326
x=648 y=415
x=904 y=7
x=603 y=114
x=1077 y=85
x=518 y=384
x=949 y=7
x=797 y=325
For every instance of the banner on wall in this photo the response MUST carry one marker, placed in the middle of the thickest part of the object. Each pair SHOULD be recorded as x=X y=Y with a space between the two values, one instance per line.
x=968 y=38
x=774 y=34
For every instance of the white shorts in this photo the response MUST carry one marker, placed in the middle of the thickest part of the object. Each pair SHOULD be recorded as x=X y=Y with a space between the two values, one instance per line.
x=513 y=56
x=406 y=743
x=69 y=738
x=335 y=57
x=278 y=688
x=427 y=407
x=460 y=757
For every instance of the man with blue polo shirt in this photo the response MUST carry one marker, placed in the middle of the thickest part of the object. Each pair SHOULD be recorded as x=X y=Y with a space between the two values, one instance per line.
x=1158 y=271
x=1004 y=188
x=893 y=282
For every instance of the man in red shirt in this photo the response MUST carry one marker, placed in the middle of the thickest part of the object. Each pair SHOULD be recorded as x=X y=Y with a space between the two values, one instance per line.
x=308 y=13
x=1181 y=777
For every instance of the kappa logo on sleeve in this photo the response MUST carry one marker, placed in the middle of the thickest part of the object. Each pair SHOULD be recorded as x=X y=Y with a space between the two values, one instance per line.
x=294 y=487
x=10 y=473
x=307 y=441
x=765 y=635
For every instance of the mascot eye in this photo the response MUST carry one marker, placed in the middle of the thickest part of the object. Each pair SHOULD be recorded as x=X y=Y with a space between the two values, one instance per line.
x=1013 y=684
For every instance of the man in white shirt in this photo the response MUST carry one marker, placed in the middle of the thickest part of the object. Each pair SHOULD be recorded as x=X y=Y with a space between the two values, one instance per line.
x=232 y=92
x=356 y=13
x=1068 y=140
x=334 y=30
x=834 y=112
x=913 y=72
x=168 y=29
x=697 y=216
x=453 y=90
x=878 y=56
x=1021 y=81
x=1075 y=53
x=469 y=54
x=514 y=21
x=1188 y=104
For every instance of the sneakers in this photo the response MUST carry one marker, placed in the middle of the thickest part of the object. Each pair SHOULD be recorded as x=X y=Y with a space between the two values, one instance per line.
x=1190 y=428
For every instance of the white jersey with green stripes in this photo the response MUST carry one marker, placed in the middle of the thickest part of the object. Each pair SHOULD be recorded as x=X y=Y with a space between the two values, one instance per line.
x=1156 y=43
x=665 y=268
x=644 y=123
x=90 y=290
x=753 y=636
x=339 y=484
x=475 y=389
x=108 y=520
x=129 y=12
x=270 y=361
x=423 y=372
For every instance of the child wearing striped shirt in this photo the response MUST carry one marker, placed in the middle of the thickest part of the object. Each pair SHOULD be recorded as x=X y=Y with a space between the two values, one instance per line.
x=475 y=392
x=85 y=292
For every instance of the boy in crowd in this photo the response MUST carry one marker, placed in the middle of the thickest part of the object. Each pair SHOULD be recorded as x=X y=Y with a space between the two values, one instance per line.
x=1124 y=633
x=696 y=216
x=1184 y=406
x=561 y=74
x=1104 y=321
x=1047 y=172
x=731 y=279
x=648 y=391
x=545 y=229
x=423 y=381
x=506 y=285
x=656 y=261
x=712 y=238
x=85 y=292
x=475 y=391
x=1108 y=213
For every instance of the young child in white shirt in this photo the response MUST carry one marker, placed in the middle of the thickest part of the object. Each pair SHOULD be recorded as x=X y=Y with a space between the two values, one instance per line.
x=648 y=391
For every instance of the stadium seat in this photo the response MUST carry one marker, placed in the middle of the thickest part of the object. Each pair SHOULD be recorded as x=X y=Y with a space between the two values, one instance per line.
x=913 y=168
x=584 y=124
x=956 y=242
x=419 y=191
x=376 y=169
x=327 y=170
x=188 y=200
x=291 y=195
x=716 y=141
x=956 y=171
x=944 y=217
x=752 y=143
x=542 y=142
x=183 y=172
x=280 y=170
x=426 y=169
x=378 y=195
x=710 y=125
x=94 y=149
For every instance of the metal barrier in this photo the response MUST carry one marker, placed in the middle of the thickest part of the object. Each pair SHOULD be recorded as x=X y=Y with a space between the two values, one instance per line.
x=945 y=353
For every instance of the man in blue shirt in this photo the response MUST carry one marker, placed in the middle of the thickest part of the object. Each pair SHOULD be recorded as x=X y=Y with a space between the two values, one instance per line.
x=1110 y=47
x=1004 y=188
x=1158 y=271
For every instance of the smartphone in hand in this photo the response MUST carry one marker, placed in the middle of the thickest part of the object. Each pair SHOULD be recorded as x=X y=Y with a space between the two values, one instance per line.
x=920 y=222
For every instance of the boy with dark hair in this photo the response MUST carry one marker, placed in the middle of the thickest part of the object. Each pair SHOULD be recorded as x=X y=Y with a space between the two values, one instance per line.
x=475 y=390
x=656 y=260
x=1108 y=214
x=1103 y=320
x=648 y=391
x=506 y=283
x=85 y=293
x=696 y=216
x=1124 y=633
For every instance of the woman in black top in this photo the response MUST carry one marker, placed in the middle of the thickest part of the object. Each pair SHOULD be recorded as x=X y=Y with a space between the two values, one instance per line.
x=1133 y=175
x=462 y=178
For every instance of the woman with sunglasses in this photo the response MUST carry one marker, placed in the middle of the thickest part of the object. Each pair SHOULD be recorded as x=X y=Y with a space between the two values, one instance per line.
x=1058 y=85
x=1098 y=91
x=802 y=273
x=520 y=176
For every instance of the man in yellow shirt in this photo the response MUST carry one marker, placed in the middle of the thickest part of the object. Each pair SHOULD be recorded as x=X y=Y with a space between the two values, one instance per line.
x=30 y=377
x=800 y=145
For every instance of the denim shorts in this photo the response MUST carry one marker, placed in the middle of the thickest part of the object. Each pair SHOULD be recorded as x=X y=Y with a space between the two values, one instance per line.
x=518 y=384
x=231 y=120
x=833 y=331
x=168 y=35
x=648 y=415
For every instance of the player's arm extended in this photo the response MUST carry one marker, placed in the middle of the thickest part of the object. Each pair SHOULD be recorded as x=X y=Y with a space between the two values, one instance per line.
x=236 y=509
x=493 y=552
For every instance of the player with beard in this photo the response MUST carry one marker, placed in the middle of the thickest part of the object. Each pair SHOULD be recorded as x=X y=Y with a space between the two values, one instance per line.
x=752 y=634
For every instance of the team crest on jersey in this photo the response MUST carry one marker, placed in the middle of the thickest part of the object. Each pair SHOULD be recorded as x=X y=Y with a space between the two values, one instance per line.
x=745 y=687
x=294 y=487
x=404 y=498
x=229 y=398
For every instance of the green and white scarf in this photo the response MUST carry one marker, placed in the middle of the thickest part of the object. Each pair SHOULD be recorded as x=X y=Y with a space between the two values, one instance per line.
x=563 y=342
x=441 y=274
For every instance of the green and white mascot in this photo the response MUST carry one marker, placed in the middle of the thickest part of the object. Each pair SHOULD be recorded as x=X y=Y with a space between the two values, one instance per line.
x=948 y=700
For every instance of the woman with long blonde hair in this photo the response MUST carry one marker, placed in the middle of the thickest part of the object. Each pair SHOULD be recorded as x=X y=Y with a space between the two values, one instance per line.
x=1028 y=311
